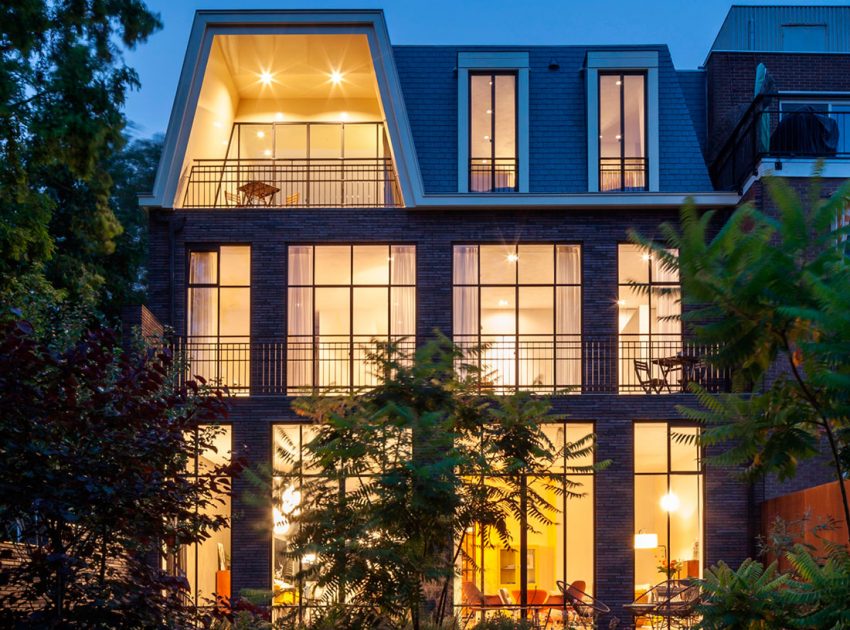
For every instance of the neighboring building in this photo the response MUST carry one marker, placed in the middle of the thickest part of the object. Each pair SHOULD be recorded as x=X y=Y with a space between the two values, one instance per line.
x=320 y=187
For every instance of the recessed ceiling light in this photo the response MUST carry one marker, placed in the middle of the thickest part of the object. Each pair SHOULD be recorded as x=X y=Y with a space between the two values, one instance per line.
x=261 y=134
x=512 y=258
x=343 y=115
x=266 y=78
x=336 y=77
x=489 y=111
x=503 y=302
x=645 y=257
x=267 y=152
x=279 y=116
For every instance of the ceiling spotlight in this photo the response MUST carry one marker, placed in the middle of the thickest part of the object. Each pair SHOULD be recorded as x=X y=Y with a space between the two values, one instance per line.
x=267 y=152
x=336 y=77
x=266 y=78
x=503 y=302
x=618 y=82
x=279 y=116
x=343 y=115
x=645 y=257
x=261 y=134
x=512 y=258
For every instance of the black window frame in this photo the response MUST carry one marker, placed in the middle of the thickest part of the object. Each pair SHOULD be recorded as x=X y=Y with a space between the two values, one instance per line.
x=622 y=74
x=492 y=157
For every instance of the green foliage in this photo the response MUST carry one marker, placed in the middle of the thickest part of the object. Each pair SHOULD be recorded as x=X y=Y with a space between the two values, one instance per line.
x=401 y=473
x=502 y=622
x=93 y=456
x=770 y=292
x=750 y=598
x=62 y=86
x=813 y=596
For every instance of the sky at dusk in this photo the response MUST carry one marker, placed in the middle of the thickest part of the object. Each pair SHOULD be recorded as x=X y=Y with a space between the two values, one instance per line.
x=688 y=27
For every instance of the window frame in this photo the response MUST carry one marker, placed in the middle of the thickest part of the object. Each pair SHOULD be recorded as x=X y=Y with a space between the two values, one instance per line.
x=622 y=74
x=671 y=427
x=352 y=336
x=492 y=157
x=516 y=285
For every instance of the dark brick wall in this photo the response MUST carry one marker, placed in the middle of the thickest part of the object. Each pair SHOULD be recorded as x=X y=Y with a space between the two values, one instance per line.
x=732 y=75
x=433 y=232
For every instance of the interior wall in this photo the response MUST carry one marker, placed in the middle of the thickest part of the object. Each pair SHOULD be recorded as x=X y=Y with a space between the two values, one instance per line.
x=214 y=115
x=308 y=110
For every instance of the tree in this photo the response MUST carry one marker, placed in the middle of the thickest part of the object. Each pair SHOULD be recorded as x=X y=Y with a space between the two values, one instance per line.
x=94 y=448
x=772 y=293
x=405 y=469
x=62 y=85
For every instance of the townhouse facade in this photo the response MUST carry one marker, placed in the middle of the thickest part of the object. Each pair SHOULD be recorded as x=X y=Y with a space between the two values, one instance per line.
x=321 y=188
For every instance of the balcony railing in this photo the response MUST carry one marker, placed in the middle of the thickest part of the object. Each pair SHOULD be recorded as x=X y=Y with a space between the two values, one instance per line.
x=622 y=174
x=280 y=183
x=492 y=175
x=790 y=125
x=546 y=364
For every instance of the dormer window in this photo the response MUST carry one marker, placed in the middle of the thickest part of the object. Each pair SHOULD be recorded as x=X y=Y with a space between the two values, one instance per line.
x=622 y=120
x=622 y=131
x=492 y=132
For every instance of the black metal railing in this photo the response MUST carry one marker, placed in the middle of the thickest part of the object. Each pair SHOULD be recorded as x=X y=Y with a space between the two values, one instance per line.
x=787 y=125
x=492 y=175
x=271 y=182
x=622 y=174
x=545 y=364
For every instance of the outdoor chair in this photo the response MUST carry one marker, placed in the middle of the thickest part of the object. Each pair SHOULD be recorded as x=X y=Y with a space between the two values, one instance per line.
x=671 y=604
x=650 y=384
x=232 y=199
x=585 y=608
x=292 y=200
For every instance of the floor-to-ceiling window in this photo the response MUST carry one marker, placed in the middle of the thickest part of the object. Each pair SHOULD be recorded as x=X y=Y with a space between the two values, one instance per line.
x=650 y=332
x=218 y=315
x=341 y=299
x=668 y=499
x=493 y=132
x=206 y=564
x=561 y=549
x=622 y=131
x=521 y=306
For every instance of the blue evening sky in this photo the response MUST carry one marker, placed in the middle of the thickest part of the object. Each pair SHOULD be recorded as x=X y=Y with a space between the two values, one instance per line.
x=688 y=27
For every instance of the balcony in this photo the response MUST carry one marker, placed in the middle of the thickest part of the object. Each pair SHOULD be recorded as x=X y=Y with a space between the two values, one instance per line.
x=291 y=183
x=547 y=364
x=622 y=174
x=783 y=126
x=290 y=165
x=492 y=175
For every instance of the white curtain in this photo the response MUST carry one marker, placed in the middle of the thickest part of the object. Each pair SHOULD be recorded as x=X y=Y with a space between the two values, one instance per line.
x=666 y=299
x=465 y=312
x=300 y=317
x=202 y=324
x=568 y=316
x=403 y=298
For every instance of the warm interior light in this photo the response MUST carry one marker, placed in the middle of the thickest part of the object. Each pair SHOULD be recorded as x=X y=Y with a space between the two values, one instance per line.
x=267 y=152
x=261 y=134
x=670 y=502
x=512 y=258
x=621 y=302
x=645 y=257
x=266 y=78
x=336 y=77
x=646 y=541
x=279 y=116
x=618 y=82
x=309 y=558
x=503 y=302
x=217 y=124
x=489 y=111
x=343 y=115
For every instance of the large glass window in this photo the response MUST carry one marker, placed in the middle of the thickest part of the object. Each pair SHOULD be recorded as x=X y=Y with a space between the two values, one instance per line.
x=521 y=305
x=492 y=132
x=341 y=299
x=561 y=549
x=206 y=565
x=622 y=131
x=668 y=503
x=218 y=315
x=650 y=331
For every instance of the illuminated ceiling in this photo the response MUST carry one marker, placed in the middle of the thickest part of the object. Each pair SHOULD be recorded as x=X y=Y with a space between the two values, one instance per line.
x=300 y=66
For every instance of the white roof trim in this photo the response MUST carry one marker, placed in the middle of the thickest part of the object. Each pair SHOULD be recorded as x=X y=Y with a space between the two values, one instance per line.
x=207 y=24
x=520 y=201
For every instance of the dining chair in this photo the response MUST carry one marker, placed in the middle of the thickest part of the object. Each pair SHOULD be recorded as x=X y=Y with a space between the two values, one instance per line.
x=649 y=383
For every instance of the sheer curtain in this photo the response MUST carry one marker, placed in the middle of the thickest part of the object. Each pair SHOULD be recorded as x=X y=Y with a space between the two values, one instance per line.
x=568 y=316
x=465 y=327
x=403 y=298
x=202 y=319
x=667 y=326
x=300 y=317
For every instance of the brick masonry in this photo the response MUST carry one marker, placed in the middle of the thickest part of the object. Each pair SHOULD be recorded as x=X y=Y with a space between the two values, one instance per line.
x=728 y=500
